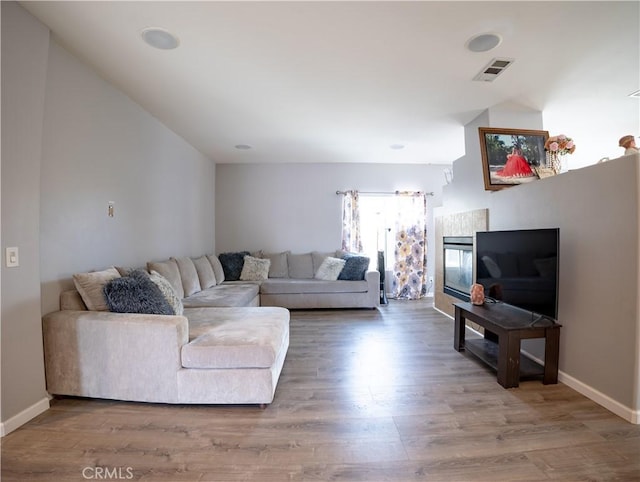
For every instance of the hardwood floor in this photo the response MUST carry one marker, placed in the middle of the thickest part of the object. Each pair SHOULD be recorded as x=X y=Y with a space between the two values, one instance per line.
x=365 y=395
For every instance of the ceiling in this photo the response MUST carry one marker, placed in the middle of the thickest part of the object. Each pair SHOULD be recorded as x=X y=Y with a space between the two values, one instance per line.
x=332 y=81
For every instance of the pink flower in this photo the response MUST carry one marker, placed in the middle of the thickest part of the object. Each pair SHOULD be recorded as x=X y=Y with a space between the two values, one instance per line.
x=553 y=146
x=569 y=145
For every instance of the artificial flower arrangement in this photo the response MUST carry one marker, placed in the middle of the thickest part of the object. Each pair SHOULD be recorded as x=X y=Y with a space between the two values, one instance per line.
x=560 y=145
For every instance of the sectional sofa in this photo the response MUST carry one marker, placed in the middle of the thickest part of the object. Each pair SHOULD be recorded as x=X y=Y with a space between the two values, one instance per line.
x=206 y=339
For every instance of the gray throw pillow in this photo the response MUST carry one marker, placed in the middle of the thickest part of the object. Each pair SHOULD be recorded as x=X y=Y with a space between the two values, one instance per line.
x=355 y=268
x=136 y=293
x=232 y=264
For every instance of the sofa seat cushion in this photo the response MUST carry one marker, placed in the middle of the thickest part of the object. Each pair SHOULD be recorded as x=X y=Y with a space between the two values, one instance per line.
x=294 y=286
x=235 y=337
x=225 y=294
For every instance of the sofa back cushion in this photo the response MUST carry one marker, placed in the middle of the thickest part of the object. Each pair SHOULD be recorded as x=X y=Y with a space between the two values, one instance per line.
x=218 y=270
x=205 y=272
x=300 y=265
x=71 y=300
x=279 y=267
x=90 y=286
x=169 y=269
x=188 y=275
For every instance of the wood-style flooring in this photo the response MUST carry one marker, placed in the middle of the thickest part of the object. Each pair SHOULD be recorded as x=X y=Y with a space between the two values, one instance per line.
x=365 y=395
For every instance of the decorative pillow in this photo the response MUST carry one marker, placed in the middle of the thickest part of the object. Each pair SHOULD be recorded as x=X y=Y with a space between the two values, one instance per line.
x=90 y=285
x=218 y=271
x=255 y=269
x=168 y=292
x=492 y=267
x=188 y=275
x=205 y=272
x=300 y=266
x=279 y=266
x=169 y=269
x=330 y=269
x=355 y=268
x=232 y=264
x=318 y=258
x=136 y=293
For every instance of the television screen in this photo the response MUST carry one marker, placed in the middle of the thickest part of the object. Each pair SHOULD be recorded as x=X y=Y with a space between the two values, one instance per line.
x=520 y=267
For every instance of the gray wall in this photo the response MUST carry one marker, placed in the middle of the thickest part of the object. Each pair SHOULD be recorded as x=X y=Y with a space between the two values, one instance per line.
x=294 y=206
x=596 y=209
x=98 y=147
x=71 y=143
x=24 y=62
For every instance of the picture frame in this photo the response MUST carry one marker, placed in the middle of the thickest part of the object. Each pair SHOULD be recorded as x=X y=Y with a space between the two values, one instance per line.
x=511 y=156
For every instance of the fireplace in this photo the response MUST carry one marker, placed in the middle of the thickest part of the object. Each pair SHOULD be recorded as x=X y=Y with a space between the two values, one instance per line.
x=458 y=266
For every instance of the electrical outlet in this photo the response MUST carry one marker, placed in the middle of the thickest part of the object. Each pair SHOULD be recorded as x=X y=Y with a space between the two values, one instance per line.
x=431 y=280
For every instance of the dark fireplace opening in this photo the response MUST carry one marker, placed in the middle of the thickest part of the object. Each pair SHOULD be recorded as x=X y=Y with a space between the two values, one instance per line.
x=458 y=266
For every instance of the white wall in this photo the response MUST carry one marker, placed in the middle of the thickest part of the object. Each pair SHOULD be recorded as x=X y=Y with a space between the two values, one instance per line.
x=99 y=146
x=596 y=209
x=295 y=206
x=24 y=60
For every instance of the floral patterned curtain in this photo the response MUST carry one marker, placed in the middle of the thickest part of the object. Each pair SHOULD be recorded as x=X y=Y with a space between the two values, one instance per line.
x=351 y=238
x=409 y=269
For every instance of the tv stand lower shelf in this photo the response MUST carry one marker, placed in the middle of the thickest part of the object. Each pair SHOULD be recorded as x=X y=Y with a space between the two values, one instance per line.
x=487 y=351
x=511 y=325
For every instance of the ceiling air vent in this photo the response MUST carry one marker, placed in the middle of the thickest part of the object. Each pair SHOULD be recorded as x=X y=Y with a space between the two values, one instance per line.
x=493 y=69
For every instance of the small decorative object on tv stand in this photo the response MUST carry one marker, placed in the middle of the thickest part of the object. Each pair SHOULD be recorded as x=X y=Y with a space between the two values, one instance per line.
x=477 y=294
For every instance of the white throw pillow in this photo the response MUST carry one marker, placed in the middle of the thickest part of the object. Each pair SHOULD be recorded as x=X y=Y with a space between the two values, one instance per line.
x=255 y=269
x=168 y=292
x=90 y=286
x=330 y=269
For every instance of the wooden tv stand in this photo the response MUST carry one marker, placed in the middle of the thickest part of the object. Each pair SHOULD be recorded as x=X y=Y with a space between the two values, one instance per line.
x=510 y=324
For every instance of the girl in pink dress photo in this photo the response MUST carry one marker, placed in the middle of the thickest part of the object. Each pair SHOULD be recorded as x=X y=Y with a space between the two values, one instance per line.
x=516 y=166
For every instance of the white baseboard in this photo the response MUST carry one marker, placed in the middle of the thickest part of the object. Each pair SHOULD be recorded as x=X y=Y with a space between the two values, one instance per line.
x=23 y=417
x=630 y=415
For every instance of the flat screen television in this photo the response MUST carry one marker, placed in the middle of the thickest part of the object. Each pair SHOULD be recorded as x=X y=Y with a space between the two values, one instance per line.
x=520 y=267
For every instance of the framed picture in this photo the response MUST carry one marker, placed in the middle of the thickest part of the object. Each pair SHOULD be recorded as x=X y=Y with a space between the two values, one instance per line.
x=511 y=156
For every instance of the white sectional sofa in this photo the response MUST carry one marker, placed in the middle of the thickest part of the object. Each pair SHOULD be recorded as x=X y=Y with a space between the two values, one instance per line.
x=216 y=345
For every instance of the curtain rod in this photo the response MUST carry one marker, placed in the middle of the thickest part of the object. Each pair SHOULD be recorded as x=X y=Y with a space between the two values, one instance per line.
x=382 y=192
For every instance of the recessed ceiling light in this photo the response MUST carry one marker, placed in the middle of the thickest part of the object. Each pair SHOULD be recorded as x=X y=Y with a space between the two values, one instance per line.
x=160 y=38
x=242 y=147
x=396 y=147
x=484 y=42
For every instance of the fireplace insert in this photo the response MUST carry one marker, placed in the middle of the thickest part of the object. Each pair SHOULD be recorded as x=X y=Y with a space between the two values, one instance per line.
x=458 y=266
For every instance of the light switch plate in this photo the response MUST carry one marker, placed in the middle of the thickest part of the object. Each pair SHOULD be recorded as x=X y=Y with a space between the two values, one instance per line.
x=12 y=258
